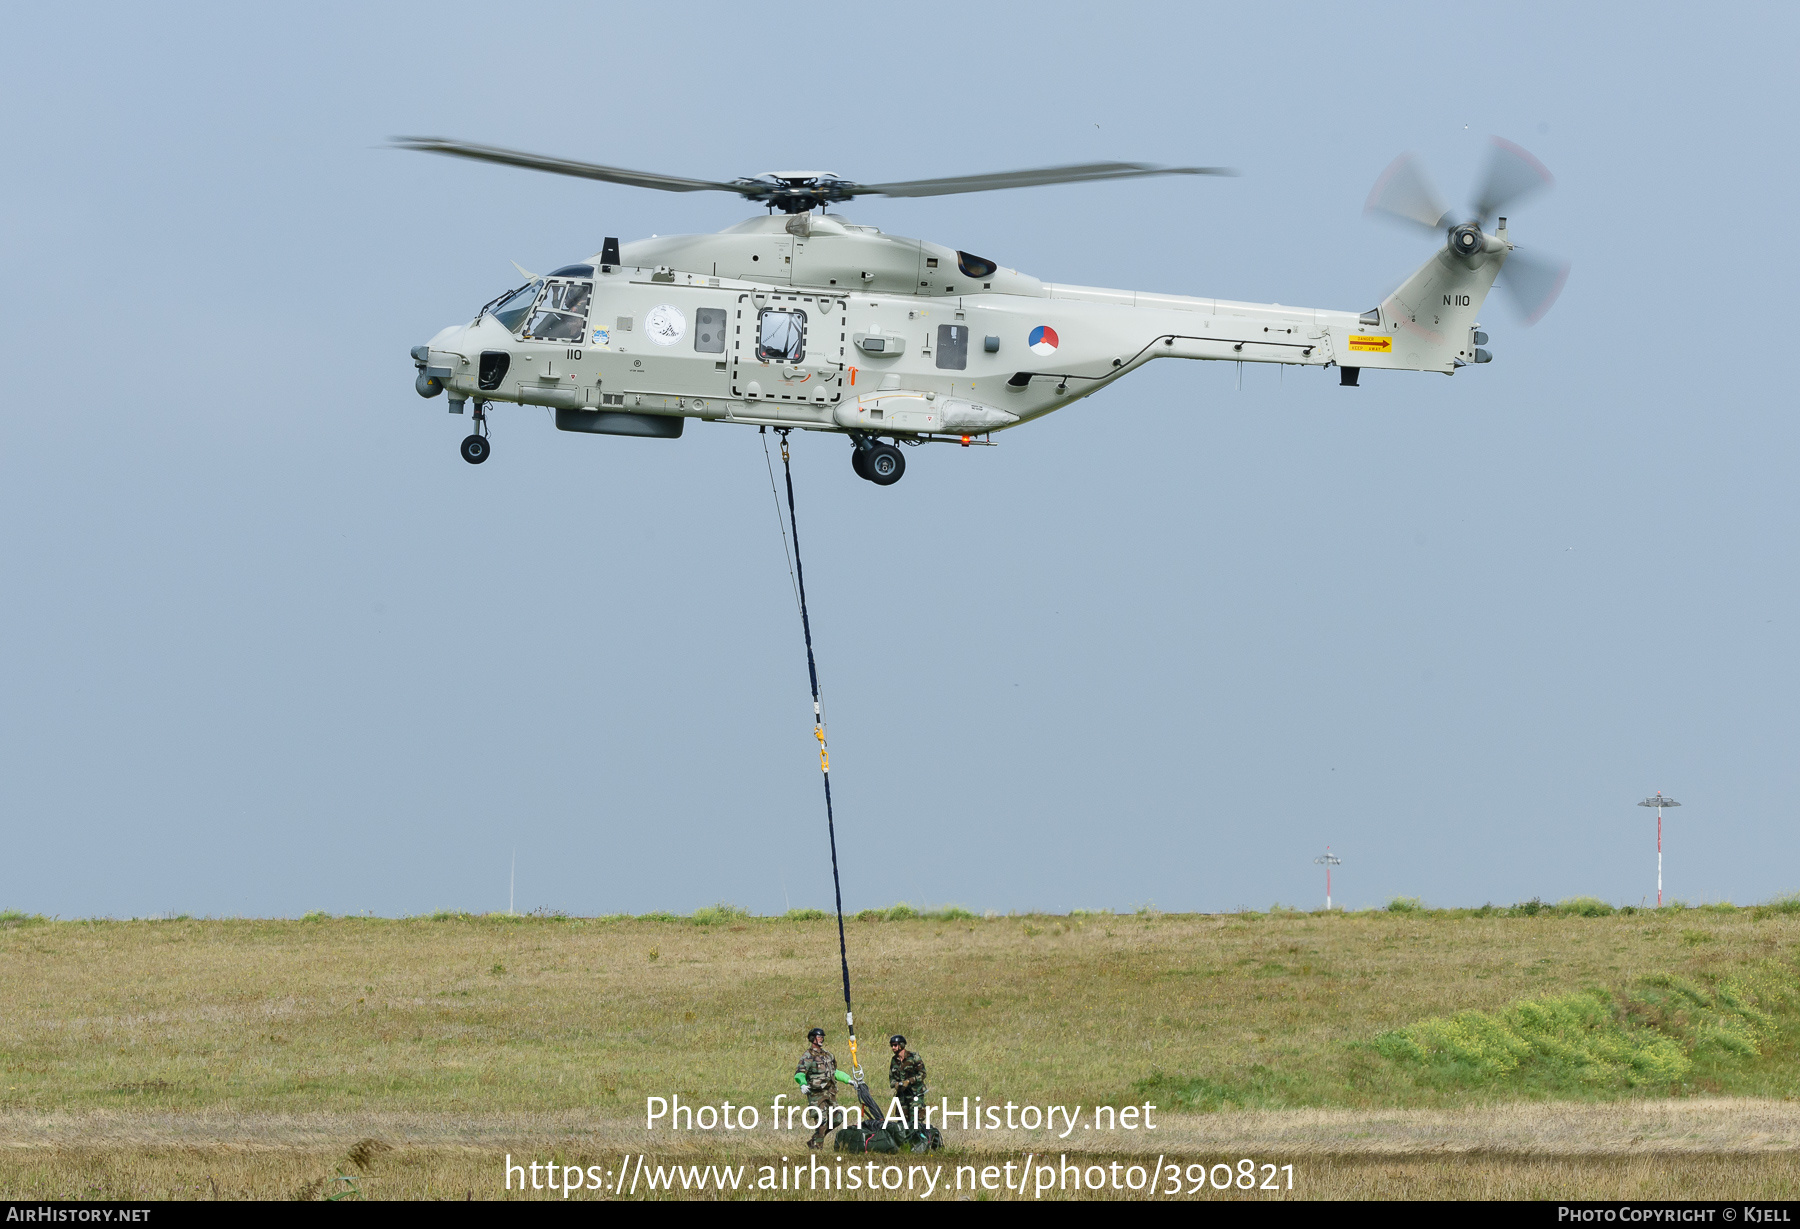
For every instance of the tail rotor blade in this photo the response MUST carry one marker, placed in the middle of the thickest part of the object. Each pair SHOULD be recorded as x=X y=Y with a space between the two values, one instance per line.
x=1533 y=282
x=1512 y=175
x=1404 y=192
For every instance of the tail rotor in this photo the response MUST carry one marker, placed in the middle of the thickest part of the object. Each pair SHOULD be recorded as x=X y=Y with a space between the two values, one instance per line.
x=1512 y=175
x=1532 y=283
x=1405 y=193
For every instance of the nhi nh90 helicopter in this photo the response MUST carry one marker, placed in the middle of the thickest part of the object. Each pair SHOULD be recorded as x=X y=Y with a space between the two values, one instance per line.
x=810 y=321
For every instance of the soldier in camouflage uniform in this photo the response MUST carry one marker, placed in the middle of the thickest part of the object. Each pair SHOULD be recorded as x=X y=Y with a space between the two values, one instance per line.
x=906 y=1076
x=819 y=1069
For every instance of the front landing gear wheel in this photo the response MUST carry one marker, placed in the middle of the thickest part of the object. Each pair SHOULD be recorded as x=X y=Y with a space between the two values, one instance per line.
x=475 y=449
x=883 y=465
x=858 y=459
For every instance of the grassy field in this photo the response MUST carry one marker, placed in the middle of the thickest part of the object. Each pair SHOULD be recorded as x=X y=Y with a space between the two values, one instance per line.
x=149 y=1055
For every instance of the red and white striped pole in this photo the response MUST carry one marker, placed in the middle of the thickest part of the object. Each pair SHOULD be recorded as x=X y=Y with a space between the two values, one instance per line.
x=1328 y=860
x=1659 y=802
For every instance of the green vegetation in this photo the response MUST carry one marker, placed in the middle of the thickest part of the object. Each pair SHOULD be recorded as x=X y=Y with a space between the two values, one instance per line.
x=713 y=915
x=1571 y=1038
x=719 y=915
x=1668 y=1034
x=1655 y=1036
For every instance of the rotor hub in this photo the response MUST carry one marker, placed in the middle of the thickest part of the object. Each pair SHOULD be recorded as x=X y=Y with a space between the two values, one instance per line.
x=796 y=191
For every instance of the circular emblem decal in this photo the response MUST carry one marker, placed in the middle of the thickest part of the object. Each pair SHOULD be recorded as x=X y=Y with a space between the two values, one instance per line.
x=665 y=324
x=1043 y=340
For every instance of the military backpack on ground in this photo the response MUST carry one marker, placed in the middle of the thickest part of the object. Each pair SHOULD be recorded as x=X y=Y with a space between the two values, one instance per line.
x=894 y=1138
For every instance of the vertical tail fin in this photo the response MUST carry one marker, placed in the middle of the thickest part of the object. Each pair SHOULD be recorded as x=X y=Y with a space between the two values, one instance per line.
x=1430 y=317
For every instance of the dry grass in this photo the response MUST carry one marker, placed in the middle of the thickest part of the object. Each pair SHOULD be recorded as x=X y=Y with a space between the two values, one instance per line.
x=456 y=1173
x=138 y=1055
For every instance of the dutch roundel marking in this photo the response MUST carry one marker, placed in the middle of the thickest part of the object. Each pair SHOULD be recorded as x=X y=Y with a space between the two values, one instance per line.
x=1043 y=340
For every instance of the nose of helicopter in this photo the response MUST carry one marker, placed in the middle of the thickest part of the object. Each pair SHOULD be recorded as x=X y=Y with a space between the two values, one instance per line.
x=429 y=381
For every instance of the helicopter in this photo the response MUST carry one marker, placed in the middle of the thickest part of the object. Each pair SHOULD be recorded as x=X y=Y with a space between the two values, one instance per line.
x=806 y=320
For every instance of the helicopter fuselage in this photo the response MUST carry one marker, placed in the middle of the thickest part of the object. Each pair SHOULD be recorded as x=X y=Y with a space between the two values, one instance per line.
x=820 y=324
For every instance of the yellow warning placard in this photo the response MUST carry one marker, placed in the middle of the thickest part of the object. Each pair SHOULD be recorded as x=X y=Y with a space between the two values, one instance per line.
x=1373 y=345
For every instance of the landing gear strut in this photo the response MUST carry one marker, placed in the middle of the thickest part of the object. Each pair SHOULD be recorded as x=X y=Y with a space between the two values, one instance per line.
x=475 y=448
x=879 y=463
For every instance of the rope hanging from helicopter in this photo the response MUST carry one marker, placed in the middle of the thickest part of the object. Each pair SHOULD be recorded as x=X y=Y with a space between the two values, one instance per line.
x=797 y=573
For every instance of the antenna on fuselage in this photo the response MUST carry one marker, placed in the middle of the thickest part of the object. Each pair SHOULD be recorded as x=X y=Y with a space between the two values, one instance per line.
x=609 y=254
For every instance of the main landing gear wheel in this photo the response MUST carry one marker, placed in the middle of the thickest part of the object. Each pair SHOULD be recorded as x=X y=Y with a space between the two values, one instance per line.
x=883 y=464
x=858 y=459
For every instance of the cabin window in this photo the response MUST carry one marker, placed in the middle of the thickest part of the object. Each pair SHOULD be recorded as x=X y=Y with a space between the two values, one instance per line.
x=561 y=314
x=975 y=266
x=709 y=330
x=493 y=369
x=953 y=346
x=780 y=336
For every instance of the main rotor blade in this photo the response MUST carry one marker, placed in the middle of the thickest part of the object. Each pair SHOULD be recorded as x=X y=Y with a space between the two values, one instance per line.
x=1533 y=282
x=560 y=166
x=1512 y=174
x=1405 y=192
x=1085 y=172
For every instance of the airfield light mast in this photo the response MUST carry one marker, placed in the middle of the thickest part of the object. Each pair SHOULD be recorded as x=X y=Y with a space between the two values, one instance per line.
x=1659 y=802
x=1328 y=860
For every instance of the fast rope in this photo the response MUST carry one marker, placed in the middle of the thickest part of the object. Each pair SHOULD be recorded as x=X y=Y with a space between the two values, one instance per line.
x=812 y=673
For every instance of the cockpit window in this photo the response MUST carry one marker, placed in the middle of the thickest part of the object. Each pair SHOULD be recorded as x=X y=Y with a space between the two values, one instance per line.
x=561 y=314
x=510 y=308
x=781 y=336
x=574 y=271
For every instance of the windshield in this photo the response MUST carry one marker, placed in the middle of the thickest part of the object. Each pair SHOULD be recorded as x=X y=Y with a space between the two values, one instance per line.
x=561 y=314
x=510 y=308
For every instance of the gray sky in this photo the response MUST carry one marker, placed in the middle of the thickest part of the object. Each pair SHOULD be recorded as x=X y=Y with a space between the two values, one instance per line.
x=272 y=646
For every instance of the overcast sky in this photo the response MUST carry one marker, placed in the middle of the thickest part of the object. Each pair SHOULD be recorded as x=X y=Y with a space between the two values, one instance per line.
x=272 y=646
